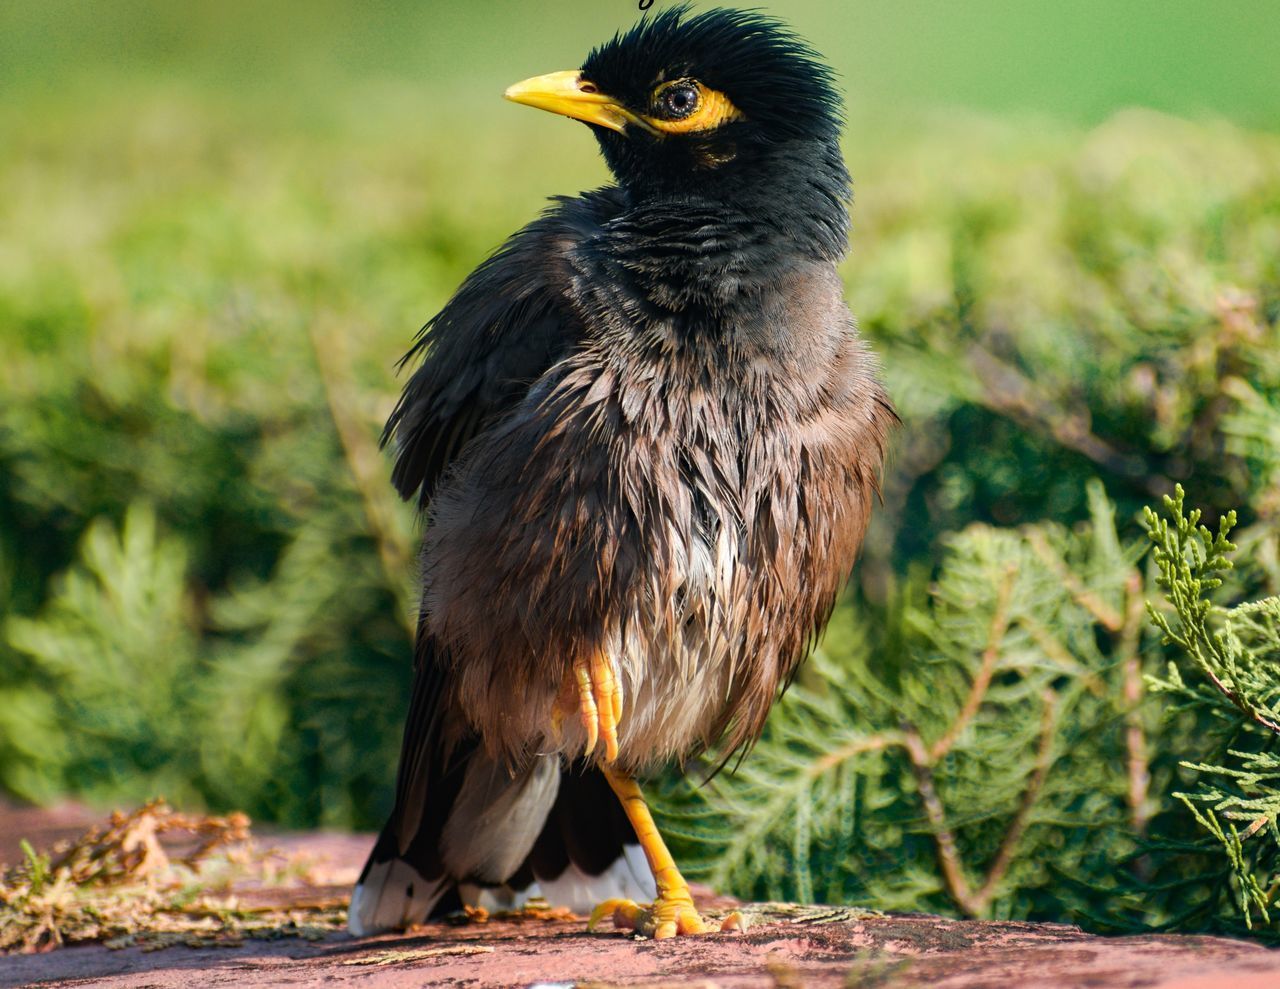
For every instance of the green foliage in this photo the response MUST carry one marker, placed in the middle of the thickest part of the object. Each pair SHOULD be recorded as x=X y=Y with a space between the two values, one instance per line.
x=1233 y=684
x=131 y=686
x=986 y=750
x=115 y=649
x=1106 y=311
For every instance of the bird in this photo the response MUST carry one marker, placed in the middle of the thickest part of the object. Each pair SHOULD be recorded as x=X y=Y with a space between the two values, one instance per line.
x=645 y=437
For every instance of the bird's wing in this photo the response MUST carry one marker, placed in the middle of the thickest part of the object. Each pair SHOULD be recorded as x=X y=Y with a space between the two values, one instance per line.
x=502 y=330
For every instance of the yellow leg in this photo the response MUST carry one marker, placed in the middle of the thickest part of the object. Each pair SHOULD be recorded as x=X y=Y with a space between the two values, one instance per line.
x=599 y=703
x=673 y=911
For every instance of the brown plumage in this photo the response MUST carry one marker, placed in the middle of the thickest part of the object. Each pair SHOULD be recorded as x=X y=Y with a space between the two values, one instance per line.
x=647 y=439
x=700 y=535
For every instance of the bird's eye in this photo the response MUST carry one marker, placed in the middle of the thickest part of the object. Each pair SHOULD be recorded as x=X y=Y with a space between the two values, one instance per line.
x=686 y=106
x=679 y=100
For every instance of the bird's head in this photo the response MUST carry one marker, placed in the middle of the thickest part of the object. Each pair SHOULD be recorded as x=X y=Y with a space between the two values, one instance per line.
x=699 y=104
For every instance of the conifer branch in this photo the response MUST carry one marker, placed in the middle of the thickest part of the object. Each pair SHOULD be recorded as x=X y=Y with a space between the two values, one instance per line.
x=1235 y=649
x=1105 y=615
x=990 y=658
x=857 y=747
x=976 y=904
x=948 y=855
x=1189 y=557
x=1061 y=656
x=1009 y=845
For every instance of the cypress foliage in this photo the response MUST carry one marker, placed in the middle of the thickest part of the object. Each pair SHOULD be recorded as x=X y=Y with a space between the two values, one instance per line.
x=988 y=754
x=1228 y=676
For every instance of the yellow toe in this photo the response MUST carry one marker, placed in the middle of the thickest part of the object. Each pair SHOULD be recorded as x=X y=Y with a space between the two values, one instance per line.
x=666 y=917
x=624 y=914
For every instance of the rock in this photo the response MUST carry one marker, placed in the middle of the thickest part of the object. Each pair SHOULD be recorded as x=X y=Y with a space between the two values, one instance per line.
x=786 y=946
x=837 y=950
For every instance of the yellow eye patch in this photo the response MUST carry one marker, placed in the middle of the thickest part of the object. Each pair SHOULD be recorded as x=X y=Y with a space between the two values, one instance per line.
x=686 y=106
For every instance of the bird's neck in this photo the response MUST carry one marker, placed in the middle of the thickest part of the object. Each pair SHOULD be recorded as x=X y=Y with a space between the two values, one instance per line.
x=787 y=199
x=801 y=195
x=702 y=257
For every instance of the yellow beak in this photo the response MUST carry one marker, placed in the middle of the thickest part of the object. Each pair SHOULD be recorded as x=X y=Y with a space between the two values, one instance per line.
x=569 y=94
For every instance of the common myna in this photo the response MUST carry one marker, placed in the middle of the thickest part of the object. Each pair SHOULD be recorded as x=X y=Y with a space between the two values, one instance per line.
x=646 y=438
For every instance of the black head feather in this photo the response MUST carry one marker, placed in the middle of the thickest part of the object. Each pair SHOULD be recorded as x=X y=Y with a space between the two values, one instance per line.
x=778 y=82
x=785 y=96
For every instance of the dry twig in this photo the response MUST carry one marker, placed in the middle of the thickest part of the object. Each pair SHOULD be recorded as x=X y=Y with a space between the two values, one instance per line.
x=121 y=884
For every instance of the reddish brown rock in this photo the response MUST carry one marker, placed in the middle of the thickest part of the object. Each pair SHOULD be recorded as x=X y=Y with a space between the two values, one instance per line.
x=786 y=946
x=865 y=952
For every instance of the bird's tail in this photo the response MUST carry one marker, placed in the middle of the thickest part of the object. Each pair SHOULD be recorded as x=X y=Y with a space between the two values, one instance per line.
x=392 y=893
x=469 y=830
x=476 y=826
x=555 y=833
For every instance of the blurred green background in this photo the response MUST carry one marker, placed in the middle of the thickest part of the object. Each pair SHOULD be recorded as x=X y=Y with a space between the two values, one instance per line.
x=221 y=225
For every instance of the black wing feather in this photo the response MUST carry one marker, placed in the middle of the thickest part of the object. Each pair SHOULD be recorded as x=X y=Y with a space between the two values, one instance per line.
x=503 y=329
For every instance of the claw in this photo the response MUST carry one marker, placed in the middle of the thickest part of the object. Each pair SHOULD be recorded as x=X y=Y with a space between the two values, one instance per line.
x=668 y=916
x=590 y=713
x=599 y=704
x=623 y=913
x=734 y=922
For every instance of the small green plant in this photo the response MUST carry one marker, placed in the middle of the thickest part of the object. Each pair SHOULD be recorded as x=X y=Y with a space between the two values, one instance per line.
x=1232 y=681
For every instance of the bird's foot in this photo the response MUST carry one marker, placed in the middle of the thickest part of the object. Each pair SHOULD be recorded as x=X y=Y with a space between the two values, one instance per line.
x=599 y=703
x=670 y=915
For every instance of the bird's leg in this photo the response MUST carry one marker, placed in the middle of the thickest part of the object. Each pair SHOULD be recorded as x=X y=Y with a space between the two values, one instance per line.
x=673 y=911
x=598 y=695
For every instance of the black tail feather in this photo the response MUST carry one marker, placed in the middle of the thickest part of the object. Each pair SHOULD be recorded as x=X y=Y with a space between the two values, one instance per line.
x=580 y=844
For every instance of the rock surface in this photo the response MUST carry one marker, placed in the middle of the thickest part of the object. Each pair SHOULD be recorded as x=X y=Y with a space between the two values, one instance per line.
x=786 y=946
